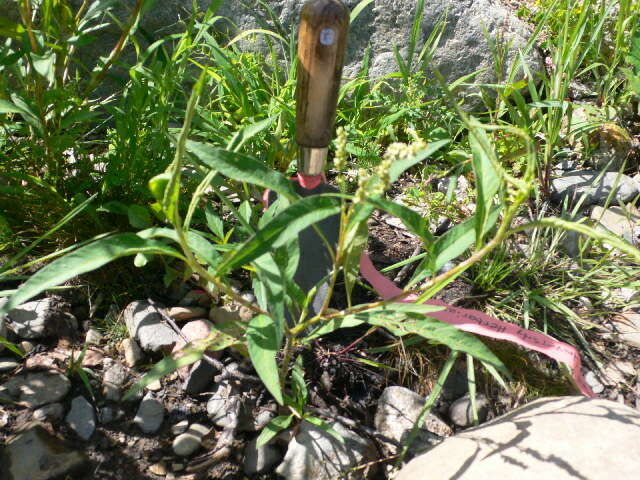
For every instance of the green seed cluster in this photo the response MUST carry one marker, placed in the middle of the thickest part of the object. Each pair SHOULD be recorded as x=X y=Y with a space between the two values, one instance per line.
x=381 y=176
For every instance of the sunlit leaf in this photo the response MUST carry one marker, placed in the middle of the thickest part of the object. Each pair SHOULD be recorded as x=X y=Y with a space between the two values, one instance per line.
x=83 y=260
x=263 y=344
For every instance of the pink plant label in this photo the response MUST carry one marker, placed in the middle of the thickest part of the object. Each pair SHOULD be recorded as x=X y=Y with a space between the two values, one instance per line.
x=482 y=324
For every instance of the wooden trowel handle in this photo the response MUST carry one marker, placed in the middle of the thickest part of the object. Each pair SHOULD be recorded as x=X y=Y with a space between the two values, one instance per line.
x=322 y=38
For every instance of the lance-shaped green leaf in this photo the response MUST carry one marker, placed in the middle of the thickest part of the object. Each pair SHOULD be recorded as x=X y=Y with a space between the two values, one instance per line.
x=333 y=325
x=262 y=343
x=272 y=429
x=164 y=367
x=203 y=248
x=241 y=168
x=414 y=222
x=83 y=260
x=283 y=228
x=487 y=181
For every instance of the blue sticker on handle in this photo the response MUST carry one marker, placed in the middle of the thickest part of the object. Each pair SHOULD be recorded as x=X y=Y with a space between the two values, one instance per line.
x=327 y=36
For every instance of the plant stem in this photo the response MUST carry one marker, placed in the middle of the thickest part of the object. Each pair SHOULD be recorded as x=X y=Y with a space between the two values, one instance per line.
x=433 y=397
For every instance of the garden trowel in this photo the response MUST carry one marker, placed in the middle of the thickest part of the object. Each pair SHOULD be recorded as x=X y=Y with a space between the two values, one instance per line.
x=322 y=39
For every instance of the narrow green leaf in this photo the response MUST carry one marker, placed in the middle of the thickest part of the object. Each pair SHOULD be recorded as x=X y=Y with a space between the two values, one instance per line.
x=44 y=64
x=158 y=186
x=263 y=344
x=8 y=107
x=11 y=346
x=283 y=228
x=399 y=307
x=247 y=133
x=214 y=222
x=272 y=429
x=298 y=385
x=487 y=181
x=10 y=29
x=358 y=9
x=164 y=367
x=414 y=222
x=242 y=168
x=451 y=245
x=83 y=260
x=333 y=325
x=204 y=250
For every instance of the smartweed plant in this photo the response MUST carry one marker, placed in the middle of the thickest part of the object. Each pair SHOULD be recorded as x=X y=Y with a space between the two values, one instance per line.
x=270 y=251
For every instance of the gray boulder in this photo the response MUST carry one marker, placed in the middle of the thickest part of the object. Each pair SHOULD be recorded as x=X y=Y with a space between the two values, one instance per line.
x=383 y=25
x=557 y=438
x=463 y=47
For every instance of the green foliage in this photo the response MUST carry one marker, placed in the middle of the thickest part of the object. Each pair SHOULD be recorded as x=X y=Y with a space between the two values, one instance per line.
x=190 y=192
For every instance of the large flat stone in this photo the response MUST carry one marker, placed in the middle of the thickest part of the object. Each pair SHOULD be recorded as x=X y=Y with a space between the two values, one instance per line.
x=558 y=438
x=37 y=388
x=36 y=455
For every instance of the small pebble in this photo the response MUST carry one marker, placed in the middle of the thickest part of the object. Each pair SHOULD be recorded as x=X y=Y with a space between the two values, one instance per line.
x=154 y=386
x=81 y=418
x=158 y=469
x=260 y=460
x=180 y=427
x=187 y=443
x=26 y=346
x=196 y=297
x=180 y=314
x=177 y=467
x=8 y=364
x=49 y=413
x=132 y=352
x=461 y=412
x=150 y=414
x=263 y=418
x=593 y=382
x=114 y=378
x=93 y=337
